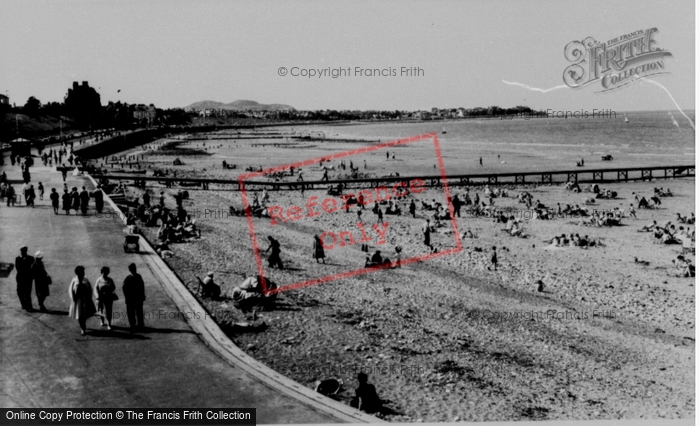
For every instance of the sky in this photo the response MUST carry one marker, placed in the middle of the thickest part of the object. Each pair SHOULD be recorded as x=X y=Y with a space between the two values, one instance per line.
x=173 y=53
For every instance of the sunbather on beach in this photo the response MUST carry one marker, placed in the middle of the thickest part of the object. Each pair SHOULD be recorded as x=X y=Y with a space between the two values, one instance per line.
x=648 y=228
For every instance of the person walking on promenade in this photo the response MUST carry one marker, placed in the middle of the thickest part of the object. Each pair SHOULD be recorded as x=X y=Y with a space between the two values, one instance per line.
x=42 y=280
x=84 y=201
x=10 y=195
x=75 y=199
x=66 y=201
x=412 y=209
x=147 y=199
x=40 y=188
x=319 y=253
x=64 y=172
x=426 y=233
x=274 y=259
x=99 y=200
x=134 y=296
x=30 y=196
x=105 y=293
x=82 y=306
x=24 y=278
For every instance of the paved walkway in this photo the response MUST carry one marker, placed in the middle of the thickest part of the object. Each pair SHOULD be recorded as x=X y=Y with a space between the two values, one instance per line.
x=47 y=363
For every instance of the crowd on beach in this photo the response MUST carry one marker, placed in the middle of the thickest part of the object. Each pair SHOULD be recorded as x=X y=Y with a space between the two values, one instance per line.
x=481 y=203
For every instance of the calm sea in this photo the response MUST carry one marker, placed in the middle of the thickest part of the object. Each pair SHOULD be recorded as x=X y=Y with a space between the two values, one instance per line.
x=648 y=138
x=646 y=130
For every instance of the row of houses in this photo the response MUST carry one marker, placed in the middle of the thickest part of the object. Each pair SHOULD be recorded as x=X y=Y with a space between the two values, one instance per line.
x=433 y=114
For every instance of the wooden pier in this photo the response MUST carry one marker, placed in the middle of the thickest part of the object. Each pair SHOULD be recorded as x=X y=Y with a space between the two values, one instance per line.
x=580 y=175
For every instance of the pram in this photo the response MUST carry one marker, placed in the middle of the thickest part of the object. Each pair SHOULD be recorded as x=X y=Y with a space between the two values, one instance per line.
x=131 y=244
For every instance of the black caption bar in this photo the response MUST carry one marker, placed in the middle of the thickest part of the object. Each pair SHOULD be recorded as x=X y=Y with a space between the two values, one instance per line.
x=128 y=416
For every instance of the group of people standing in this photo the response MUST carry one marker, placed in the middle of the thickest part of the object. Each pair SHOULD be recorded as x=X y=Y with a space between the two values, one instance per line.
x=32 y=271
x=78 y=201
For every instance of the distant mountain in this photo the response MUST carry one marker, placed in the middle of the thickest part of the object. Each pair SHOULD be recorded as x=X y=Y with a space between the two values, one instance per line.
x=239 y=106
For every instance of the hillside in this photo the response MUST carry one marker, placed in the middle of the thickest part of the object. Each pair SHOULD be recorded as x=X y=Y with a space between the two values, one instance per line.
x=239 y=105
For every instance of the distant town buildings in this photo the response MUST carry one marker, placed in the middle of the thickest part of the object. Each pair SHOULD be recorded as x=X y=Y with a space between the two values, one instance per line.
x=332 y=115
x=4 y=100
x=145 y=114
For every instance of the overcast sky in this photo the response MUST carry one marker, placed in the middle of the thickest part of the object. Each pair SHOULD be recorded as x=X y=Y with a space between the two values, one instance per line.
x=173 y=53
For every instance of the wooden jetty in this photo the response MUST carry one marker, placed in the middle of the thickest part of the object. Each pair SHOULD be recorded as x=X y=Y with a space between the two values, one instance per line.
x=580 y=175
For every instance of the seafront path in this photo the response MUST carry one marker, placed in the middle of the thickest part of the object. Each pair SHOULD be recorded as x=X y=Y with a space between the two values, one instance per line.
x=174 y=362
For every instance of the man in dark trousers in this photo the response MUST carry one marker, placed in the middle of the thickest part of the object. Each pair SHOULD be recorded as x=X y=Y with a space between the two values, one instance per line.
x=23 y=265
x=494 y=259
x=99 y=201
x=84 y=201
x=134 y=296
x=457 y=204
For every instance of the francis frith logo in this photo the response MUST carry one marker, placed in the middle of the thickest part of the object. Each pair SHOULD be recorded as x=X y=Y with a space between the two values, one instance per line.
x=615 y=63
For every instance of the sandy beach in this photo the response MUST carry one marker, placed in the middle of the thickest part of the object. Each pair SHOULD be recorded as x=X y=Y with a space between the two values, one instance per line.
x=449 y=339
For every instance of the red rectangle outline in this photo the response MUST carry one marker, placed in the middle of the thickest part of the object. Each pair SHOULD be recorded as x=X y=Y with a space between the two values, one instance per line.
x=363 y=150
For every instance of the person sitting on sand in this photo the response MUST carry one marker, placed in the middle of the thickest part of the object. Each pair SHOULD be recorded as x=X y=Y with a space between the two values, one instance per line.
x=249 y=294
x=683 y=267
x=658 y=233
x=376 y=260
x=209 y=287
x=509 y=223
x=642 y=203
x=557 y=240
x=668 y=238
x=366 y=398
x=501 y=217
x=190 y=227
x=689 y=270
x=648 y=228
x=516 y=230
x=163 y=249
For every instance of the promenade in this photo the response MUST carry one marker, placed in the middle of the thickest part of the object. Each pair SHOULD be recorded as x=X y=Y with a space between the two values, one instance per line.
x=47 y=363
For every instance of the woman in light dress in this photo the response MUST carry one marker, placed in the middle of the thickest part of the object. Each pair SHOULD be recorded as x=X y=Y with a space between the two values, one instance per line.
x=82 y=306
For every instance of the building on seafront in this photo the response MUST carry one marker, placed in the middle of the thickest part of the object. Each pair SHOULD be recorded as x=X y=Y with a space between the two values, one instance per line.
x=4 y=100
x=145 y=114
